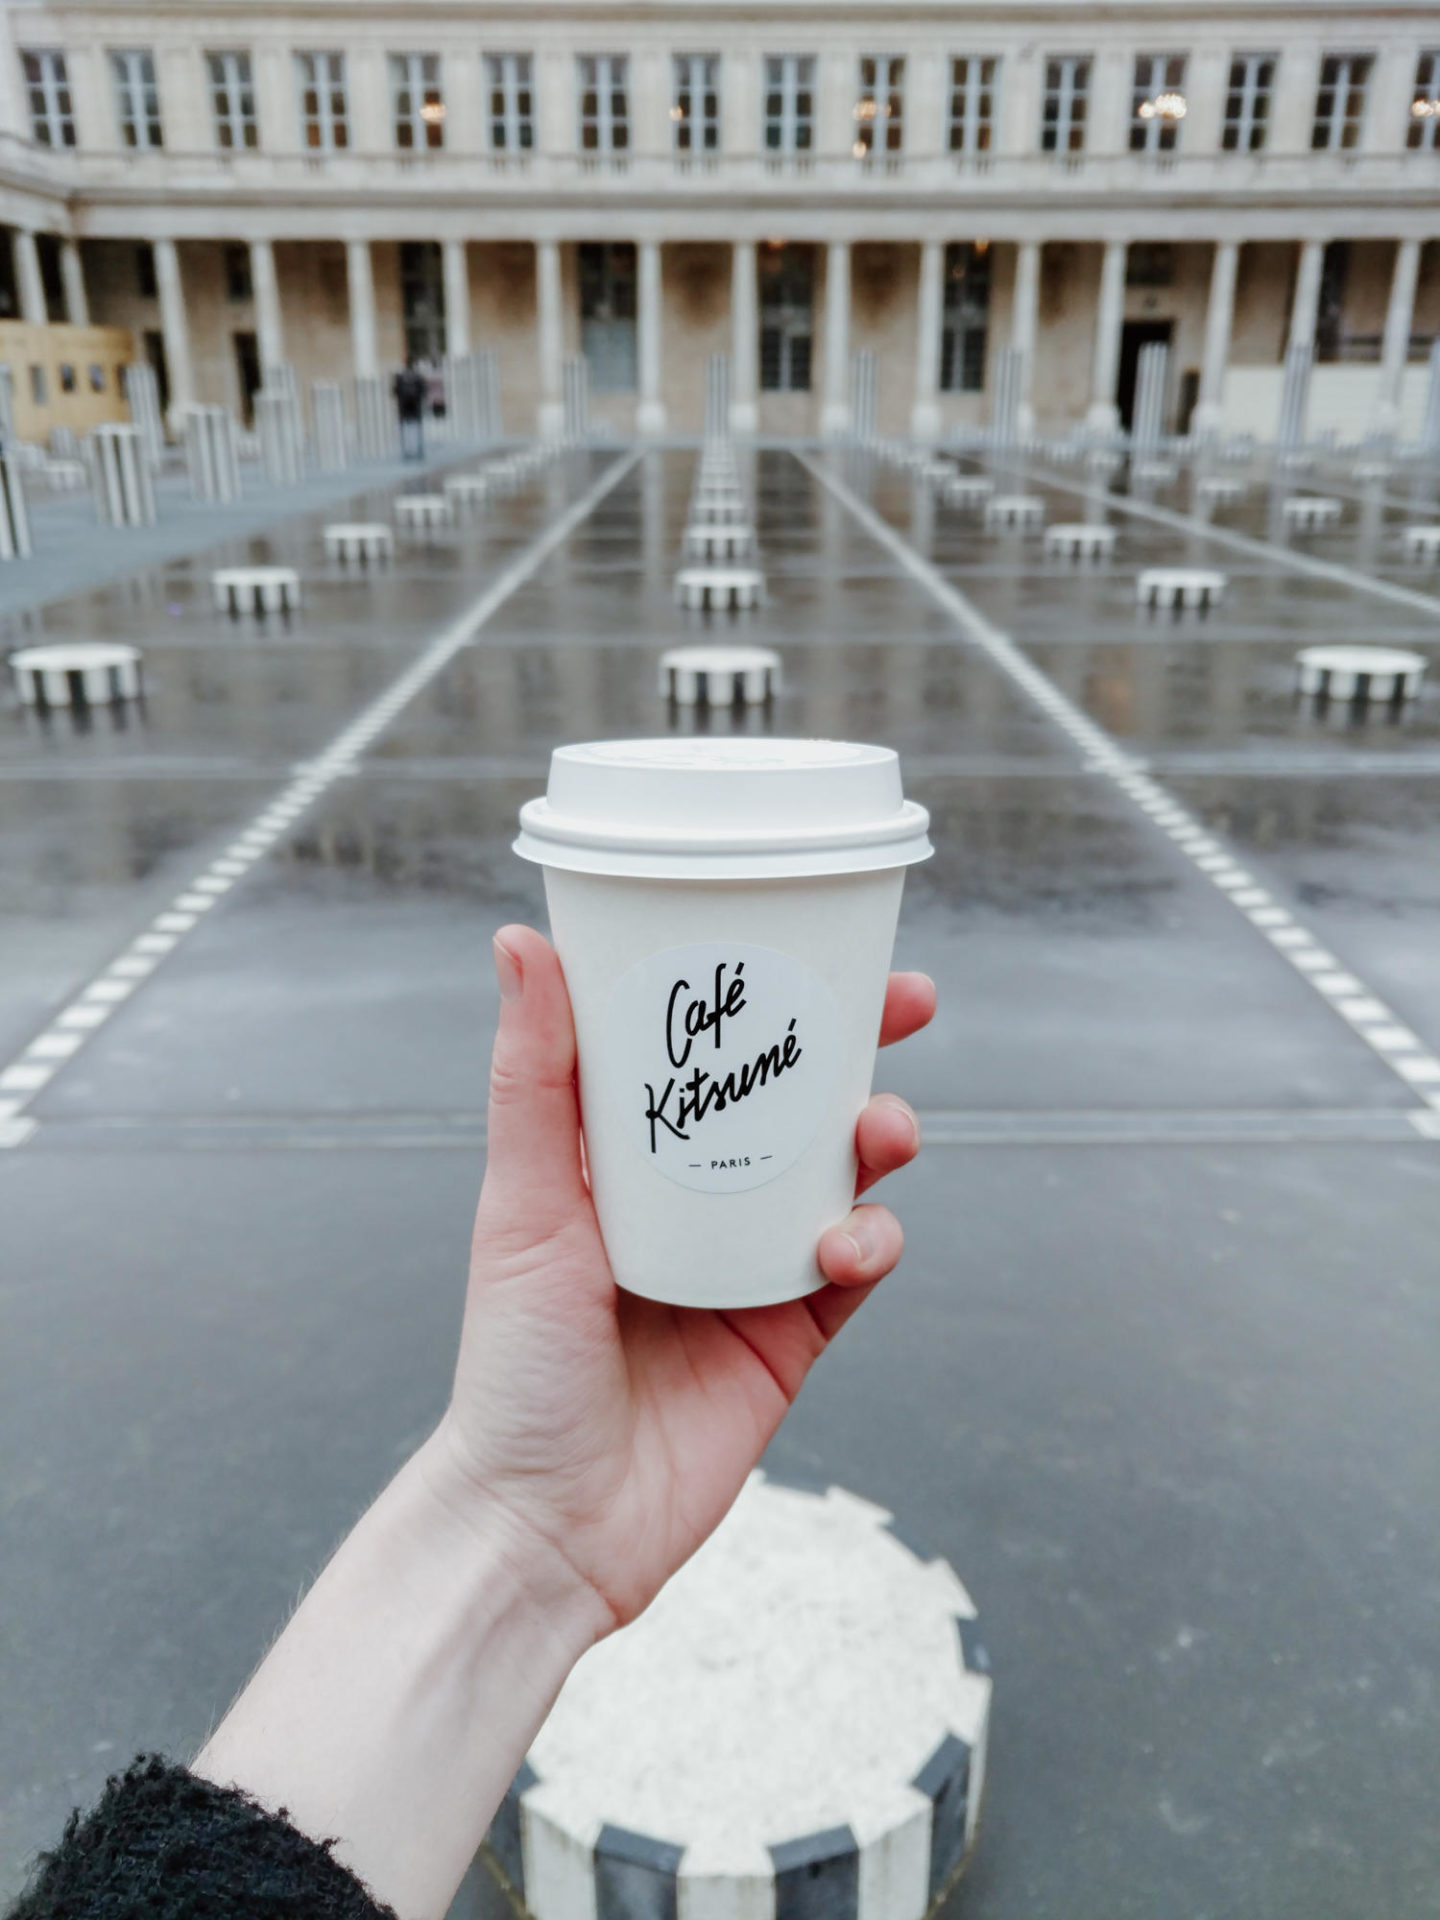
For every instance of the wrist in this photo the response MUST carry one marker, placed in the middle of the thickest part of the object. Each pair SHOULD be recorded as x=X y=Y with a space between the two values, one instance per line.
x=398 y=1703
x=512 y=1547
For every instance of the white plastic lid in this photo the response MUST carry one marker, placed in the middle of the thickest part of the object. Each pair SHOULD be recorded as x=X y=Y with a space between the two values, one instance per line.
x=723 y=809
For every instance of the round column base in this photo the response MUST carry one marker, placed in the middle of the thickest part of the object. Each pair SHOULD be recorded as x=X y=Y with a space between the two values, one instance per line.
x=796 y=1727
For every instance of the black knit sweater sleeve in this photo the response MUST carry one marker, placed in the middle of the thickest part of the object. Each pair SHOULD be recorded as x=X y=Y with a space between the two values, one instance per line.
x=162 y=1845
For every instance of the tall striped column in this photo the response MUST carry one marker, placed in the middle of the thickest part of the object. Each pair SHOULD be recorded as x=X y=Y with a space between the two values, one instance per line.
x=925 y=413
x=1219 y=321
x=1395 y=351
x=1104 y=414
x=1024 y=329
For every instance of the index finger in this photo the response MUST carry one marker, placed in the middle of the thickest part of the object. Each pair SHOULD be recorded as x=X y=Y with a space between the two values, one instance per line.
x=909 y=1006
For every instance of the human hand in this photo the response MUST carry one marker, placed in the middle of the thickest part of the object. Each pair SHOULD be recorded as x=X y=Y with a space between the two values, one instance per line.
x=586 y=1422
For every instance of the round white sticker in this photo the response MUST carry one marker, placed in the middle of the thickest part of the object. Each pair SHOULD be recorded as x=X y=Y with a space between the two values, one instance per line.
x=722 y=1057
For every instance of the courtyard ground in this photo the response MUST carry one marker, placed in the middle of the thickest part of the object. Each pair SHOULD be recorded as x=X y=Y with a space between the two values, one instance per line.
x=1158 y=1371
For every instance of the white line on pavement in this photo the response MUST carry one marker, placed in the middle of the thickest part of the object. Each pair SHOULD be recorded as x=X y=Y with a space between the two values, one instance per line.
x=1366 y=1015
x=1245 y=543
x=87 y=1011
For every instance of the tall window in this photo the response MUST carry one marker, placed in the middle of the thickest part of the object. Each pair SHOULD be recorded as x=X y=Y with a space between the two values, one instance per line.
x=696 y=107
x=607 y=314
x=880 y=107
x=973 y=88
x=1424 y=127
x=966 y=318
x=137 y=97
x=52 y=118
x=232 y=100
x=1247 y=102
x=239 y=286
x=1157 y=102
x=789 y=102
x=1067 y=94
x=786 y=318
x=512 y=102
x=418 y=103
x=604 y=102
x=1340 y=100
x=324 y=116
x=422 y=299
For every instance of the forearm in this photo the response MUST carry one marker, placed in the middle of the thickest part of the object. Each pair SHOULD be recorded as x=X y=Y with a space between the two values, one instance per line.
x=395 y=1708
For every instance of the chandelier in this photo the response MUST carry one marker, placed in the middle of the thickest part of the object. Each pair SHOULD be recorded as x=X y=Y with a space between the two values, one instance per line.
x=1165 y=106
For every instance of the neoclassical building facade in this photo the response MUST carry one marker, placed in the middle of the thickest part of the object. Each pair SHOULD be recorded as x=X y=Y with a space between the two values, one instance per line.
x=337 y=184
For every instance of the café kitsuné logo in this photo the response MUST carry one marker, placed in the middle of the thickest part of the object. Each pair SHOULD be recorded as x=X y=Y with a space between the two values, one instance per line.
x=721 y=1058
x=697 y=1022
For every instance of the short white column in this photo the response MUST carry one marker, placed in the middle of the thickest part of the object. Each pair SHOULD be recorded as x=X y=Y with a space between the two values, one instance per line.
x=1025 y=329
x=925 y=414
x=269 y=328
x=1104 y=415
x=72 y=278
x=363 y=347
x=650 y=416
x=1399 y=318
x=455 y=265
x=835 y=411
x=744 y=338
x=174 y=325
x=27 y=276
x=1219 y=318
x=552 y=339
x=1306 y=310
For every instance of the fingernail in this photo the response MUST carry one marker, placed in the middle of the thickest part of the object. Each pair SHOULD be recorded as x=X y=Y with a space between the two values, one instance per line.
x=507 y=972
x=859 y=1235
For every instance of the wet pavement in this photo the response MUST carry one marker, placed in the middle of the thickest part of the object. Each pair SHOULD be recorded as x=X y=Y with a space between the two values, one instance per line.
x=71 y=548
x=1158 y=1371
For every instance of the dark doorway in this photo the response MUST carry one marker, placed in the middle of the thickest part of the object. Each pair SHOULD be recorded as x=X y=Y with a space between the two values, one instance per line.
x=47 y=252
x=155 y=354
x=422 y=300
x=607 y=314
x=247 y=365
x=787 y=280
x=1134 y=335
x=1330 y=311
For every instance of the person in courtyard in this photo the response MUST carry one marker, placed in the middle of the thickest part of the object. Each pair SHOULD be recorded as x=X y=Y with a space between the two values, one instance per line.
x=593 y=1440
x=410 y=389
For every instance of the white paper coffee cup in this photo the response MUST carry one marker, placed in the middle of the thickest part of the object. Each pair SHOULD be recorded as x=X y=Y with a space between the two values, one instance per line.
x=724 y=911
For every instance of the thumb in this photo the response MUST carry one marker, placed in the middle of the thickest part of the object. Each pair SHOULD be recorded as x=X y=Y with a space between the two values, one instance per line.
x=533 y=1176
